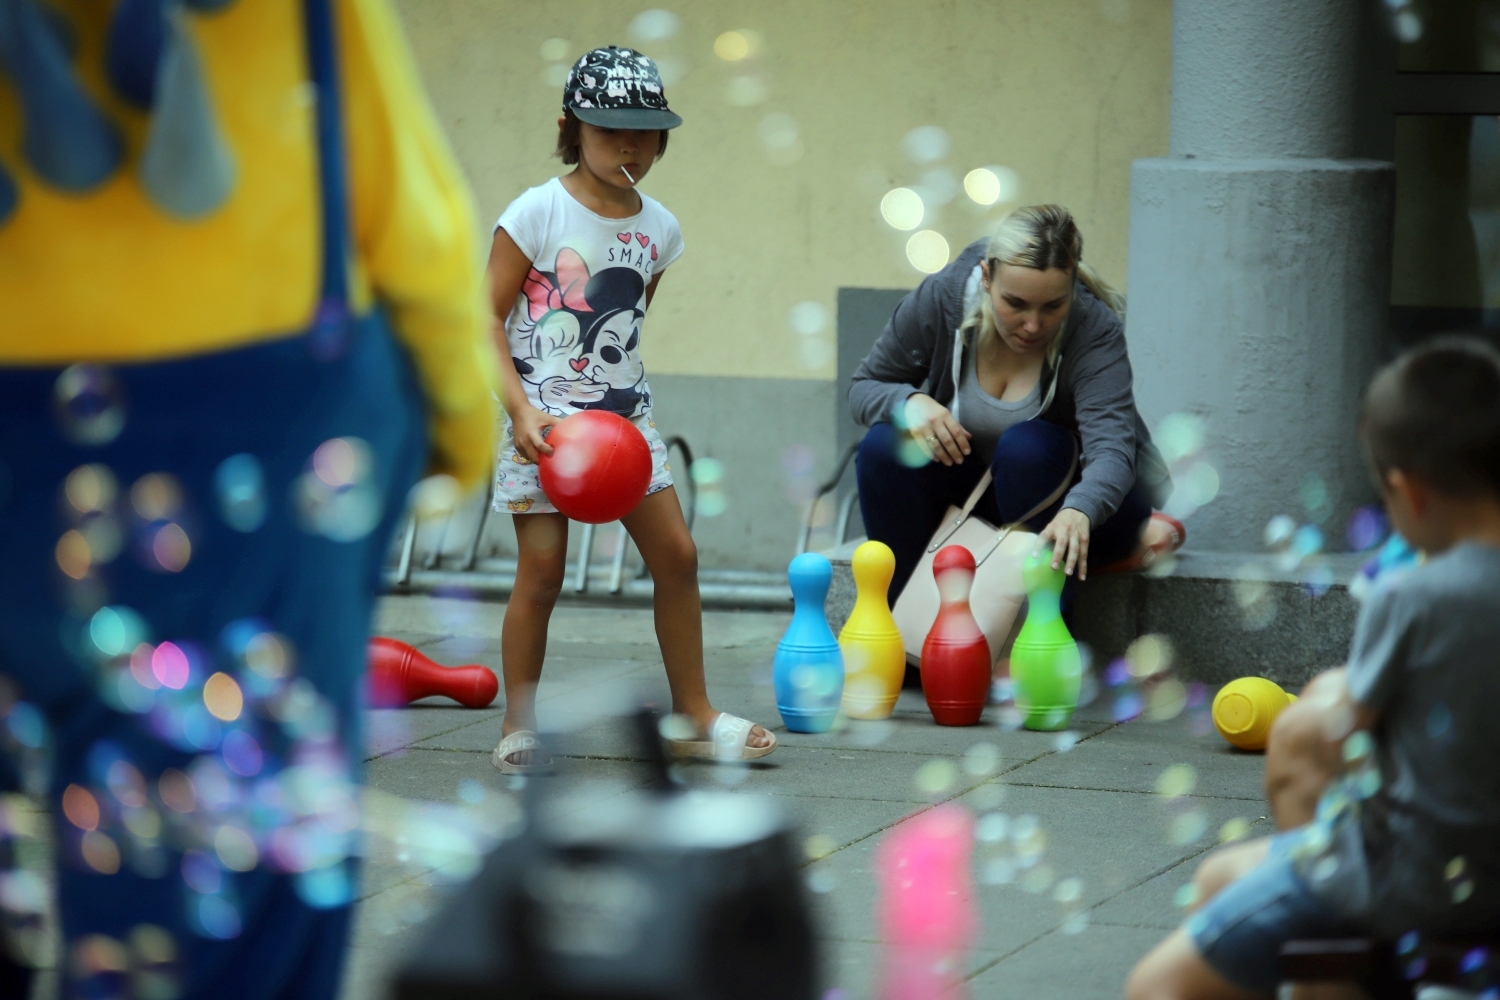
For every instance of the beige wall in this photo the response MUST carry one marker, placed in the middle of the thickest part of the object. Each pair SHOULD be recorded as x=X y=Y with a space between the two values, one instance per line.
x=1065 y=92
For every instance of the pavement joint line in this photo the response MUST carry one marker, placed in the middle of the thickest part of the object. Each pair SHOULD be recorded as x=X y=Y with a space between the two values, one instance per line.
x=1133 y=791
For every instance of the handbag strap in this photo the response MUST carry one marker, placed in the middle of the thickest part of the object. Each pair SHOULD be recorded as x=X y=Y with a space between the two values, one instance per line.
x=968 y=508
x=1050 y=499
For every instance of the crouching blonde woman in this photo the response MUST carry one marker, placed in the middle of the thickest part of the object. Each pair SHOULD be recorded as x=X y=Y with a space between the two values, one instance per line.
x=1012 y=359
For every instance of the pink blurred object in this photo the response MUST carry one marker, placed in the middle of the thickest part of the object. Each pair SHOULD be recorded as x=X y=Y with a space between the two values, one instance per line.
x=928 y=917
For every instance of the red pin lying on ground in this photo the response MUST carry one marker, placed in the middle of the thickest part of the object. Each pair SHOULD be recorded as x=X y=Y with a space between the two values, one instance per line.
x=399 y=675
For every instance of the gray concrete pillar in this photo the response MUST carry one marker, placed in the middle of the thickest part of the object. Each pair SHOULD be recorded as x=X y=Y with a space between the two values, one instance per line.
x=1260 y=259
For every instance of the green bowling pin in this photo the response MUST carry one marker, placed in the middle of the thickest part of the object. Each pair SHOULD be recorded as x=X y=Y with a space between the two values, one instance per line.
x=1044 y=664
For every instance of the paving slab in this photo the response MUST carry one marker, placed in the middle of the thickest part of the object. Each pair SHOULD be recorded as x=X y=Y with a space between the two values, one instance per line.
x=1132 y=757
x=1051 y=967
x=1091 y=792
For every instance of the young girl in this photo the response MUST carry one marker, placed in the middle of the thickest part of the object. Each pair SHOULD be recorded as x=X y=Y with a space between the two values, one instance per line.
x=573 y=268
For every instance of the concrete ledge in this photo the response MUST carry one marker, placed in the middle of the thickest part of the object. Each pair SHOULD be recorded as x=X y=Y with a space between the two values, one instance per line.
x=1228 y=615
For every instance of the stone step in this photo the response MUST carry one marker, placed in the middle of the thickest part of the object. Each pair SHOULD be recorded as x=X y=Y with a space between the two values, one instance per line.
x=1227 y=615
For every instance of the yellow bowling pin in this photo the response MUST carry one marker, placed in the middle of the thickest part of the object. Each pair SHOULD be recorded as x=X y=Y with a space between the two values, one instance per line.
x=1244 y=711
x=874 y=656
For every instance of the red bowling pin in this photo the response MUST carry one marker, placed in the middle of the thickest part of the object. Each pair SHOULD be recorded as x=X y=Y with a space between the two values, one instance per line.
x=955 y=657
x=399 y=675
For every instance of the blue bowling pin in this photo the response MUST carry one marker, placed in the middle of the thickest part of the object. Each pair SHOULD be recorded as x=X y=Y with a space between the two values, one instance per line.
x=809 y=668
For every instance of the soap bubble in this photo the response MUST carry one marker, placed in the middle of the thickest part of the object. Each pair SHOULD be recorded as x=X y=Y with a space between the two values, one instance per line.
x=336 y=497
x=240 y=485
x=1186 y=895
x=807 y=318
x=902 y=208
x=88 y=404
x=1318 y=579
x=708 y=478
x=1149 y=655
x=1069 y=890
x=822 y=881
x=926 y=144
x=90 y=489
x=936 y=776
x=1066 y=740
x=927 y=251
x=981 y=759
x=746 y=90
x=1176 y=781
x=939 y=186
x=1179 y=435
x=1367 y=528
x=1200 y=484
x=1314 y=495
x=1188 y=827
x=1279 y=531
x=1234 y=830
x=733 y=46
x=1408 y=26
x=990 y=185
x=819 y=846
x=780 y=138
x=654 y=25
x=1307 y=541
x=556 y=49
x=1076 y=923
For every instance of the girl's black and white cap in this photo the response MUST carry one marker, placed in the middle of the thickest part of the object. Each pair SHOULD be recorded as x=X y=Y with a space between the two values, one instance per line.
x=618 y=88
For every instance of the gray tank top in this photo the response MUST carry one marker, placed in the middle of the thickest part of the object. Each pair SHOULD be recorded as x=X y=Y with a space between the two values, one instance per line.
x=986 y=417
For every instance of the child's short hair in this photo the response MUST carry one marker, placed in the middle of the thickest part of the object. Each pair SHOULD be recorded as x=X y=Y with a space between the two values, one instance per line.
x=1434 y=413
x=567 y=140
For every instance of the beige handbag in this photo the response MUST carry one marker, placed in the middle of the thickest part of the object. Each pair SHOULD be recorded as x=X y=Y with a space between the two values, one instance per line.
x=998 y=593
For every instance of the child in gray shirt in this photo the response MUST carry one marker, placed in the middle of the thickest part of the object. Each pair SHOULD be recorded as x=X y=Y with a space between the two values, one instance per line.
x=1406 y=832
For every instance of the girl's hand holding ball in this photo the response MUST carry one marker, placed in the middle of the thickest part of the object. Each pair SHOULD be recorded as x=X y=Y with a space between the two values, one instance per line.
x=531 y=426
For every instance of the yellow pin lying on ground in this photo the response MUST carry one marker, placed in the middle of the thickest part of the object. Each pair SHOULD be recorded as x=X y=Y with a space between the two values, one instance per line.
x=1244 y=711
x=874 y=655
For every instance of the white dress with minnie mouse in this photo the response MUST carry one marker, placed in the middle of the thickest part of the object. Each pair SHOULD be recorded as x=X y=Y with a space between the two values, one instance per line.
x=575 y=331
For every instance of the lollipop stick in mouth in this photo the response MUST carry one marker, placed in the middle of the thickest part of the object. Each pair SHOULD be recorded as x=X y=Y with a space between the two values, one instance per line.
x=626 y=173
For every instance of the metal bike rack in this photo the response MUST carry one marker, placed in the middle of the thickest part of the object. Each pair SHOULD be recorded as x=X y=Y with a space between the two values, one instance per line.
x=846 y=508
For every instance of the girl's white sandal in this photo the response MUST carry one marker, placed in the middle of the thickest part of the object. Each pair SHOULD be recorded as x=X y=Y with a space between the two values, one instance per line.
x=728 y=740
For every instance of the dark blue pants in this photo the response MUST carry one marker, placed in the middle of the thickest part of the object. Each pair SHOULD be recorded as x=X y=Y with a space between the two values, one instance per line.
x=902 y=506
x=265 y=933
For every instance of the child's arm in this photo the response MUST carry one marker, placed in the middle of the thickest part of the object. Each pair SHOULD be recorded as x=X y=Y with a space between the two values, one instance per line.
x=1328 y=695
x=651 y=288
x=507 y=270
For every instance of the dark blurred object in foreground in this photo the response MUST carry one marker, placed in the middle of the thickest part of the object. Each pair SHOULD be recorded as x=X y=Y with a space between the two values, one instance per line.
x=647 y=895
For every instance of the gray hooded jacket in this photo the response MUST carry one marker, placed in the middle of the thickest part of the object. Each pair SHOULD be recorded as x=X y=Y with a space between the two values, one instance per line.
x=1089 y=391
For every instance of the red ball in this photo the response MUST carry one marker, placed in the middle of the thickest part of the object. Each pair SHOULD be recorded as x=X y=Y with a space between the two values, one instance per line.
x=599 y=468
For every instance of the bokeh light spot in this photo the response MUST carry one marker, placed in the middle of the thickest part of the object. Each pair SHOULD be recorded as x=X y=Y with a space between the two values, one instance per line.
x=337 y=462
x=176 y=791
x=235 y=848
x=223 y=698
x=902 y=208
x=90 y=489
x=927 y=251
x=81 y=808
x=116 y=630
x=982 y=186
x=556 y=49
x=73 y=555
x=156 y=497
x=170 y=665
x=89 y=405
x=218 y=917
x=807 y=318
x=100 y=852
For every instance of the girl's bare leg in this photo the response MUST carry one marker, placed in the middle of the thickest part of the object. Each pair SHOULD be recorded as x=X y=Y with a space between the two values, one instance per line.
x=542 y=543
x=661 y=534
